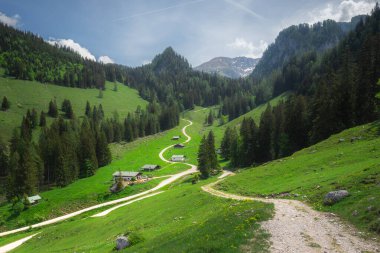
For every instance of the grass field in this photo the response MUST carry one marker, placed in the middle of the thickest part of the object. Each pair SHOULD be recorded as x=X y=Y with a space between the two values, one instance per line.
x=94 y=190
x=197 y=222
x=25 y=95
x=327 y=166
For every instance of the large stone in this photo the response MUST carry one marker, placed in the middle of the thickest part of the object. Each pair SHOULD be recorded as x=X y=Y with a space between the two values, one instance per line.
x=122 y=242
x=335 y=196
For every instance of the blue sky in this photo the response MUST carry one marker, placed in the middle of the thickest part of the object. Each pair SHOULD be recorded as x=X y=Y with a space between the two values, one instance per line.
x=132 y=32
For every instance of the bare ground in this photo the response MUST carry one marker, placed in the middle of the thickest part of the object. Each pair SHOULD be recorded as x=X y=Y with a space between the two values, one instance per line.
x=296 y=227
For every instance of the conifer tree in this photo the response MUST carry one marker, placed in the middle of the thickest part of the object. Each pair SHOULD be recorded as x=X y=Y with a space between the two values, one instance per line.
x=88 y=112
x=26 y=129
x=265 y=139
x=4 y=159
x=67 y=109
x=203 y=158
x=226 y=144
x=42 y=119
x=53 y=110
x=5 y=105
x=34 y=118
x=103 y=152
x=212 y=156
x=87 y=150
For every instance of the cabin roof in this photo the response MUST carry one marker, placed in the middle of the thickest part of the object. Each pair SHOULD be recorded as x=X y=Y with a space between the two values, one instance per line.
x=34 y=198
x=126 y=173
x=150 y=166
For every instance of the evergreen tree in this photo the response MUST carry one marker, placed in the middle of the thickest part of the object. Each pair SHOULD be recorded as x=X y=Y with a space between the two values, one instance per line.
x=53 y=110
x=67 y=109
x=26 y=129
x=235 y=149
x=88 y=112
x=203 y=158
x=265 y=139
x=212 y=156
x=42 y=119
x=103 y=152
x=87 y=150
x=226 y=144
x=34 y=118
x=5 y=105
x=4 y=159
x=249 y=139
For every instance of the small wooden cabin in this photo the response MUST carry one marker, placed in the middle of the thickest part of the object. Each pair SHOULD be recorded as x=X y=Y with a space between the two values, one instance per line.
x=126 y=175
x=150 y=167
x=33 y=200
x=179 y=145
x=178 y=158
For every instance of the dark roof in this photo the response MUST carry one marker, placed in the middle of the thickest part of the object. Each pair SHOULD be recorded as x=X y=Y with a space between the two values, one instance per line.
x=150 y=166
x=179 y=145
x=126 y=173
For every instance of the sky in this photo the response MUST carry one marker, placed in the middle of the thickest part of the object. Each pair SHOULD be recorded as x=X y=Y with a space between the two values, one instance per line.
x=132 y=32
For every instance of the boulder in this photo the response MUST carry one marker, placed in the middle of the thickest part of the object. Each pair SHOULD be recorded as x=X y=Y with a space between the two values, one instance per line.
x=122 y=242
x=335 y=196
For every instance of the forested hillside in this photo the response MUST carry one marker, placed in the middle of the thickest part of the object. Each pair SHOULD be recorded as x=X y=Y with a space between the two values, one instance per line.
x=299 y=39
x=331 y=93
x=27 y=56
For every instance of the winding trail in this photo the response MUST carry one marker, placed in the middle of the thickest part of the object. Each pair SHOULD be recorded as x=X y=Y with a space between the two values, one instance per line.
x=296 y=227
x=15 y=244
x=163 y=183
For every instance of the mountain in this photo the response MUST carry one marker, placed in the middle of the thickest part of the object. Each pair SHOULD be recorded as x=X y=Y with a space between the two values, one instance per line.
x=230 y=67
x=300 y=39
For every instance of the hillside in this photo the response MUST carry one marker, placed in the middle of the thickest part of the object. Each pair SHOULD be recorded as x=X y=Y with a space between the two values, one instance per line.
x=24 y=95
x=299 y=39
x=229 y=67
x=334 y=164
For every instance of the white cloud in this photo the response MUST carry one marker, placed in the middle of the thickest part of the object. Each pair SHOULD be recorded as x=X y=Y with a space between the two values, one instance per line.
x=11 y=21
x=105 y=59
x=247 y=48
x=84 y=52
x=342 y=12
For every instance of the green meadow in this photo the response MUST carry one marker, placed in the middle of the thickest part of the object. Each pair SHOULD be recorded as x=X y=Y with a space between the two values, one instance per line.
x=182 y=219
x=24 y=95
x=333 y=164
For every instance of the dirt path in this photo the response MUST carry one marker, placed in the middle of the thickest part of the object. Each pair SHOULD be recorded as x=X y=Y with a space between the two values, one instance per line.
x=15 y=244
x=296 y=227
x=163 y=183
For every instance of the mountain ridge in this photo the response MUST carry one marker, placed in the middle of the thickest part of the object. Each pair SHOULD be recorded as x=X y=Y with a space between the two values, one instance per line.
x=236 y=67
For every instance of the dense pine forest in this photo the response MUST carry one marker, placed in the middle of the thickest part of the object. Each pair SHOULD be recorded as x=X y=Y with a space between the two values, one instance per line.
x=27 y=56
x=332 y=92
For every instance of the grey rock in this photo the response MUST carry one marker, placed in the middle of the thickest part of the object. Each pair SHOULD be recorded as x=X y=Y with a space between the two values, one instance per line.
x=355 y=213
x=335 y=196
x=122 y=242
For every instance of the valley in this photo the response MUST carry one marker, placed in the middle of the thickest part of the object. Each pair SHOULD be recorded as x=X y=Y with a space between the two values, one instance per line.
x=112 y=141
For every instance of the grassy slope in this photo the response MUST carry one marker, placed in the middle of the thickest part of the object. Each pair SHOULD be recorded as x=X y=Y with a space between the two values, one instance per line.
x=93 y=190
x=327 y=166
x=25 y=95
x=182 y=219
x=195 y=223
x=255 y=114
